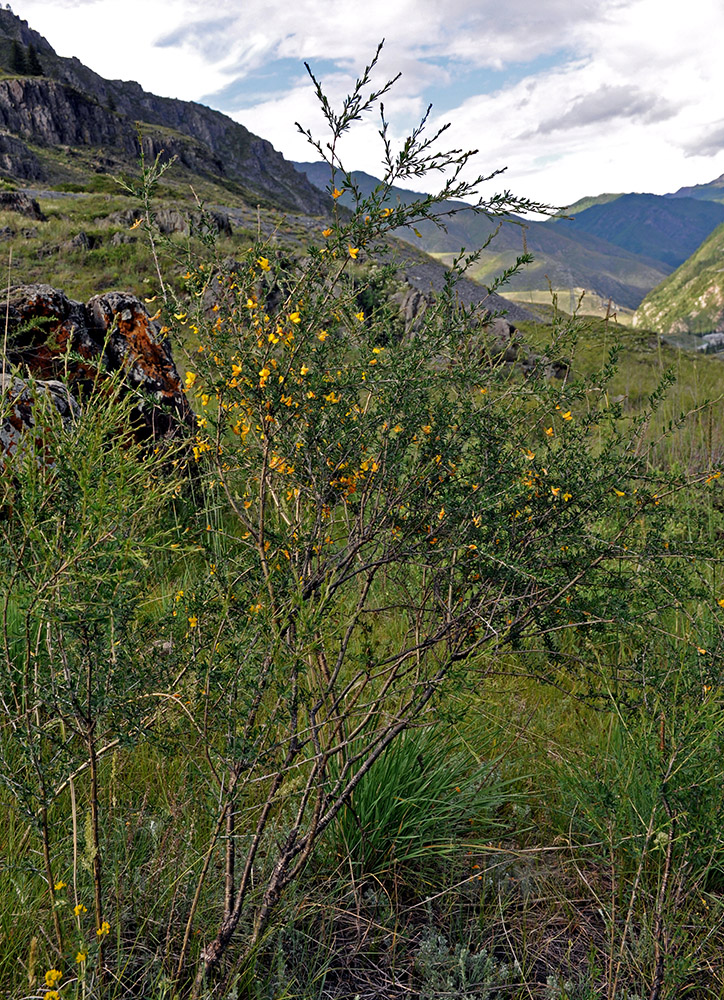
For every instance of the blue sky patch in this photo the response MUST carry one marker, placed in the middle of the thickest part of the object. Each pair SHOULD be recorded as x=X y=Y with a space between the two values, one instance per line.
x=273 y=80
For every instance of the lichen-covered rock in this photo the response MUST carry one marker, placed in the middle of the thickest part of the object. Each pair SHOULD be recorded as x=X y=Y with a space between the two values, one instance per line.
x=17 y=414
x=60 y=342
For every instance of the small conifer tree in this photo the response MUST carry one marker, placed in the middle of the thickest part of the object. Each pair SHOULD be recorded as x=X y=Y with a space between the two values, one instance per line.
x=18 y=62
x=35 y=67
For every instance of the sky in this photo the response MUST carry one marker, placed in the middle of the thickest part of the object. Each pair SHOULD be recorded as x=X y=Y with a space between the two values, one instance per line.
x=572 y=97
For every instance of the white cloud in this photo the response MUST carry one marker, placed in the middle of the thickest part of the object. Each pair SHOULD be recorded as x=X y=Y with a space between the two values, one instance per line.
x=628 y=100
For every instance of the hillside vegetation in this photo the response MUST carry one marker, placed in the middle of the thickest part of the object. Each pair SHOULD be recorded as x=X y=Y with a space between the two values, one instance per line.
x=401 y=675
x=691 y=300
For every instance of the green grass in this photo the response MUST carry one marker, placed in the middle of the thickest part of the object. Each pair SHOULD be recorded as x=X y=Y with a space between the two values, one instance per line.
x=502 y=854
x=691 y=300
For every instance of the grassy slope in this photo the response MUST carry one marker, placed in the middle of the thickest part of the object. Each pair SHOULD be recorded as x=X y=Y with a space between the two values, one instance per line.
x=40 y=251
x=691 y=300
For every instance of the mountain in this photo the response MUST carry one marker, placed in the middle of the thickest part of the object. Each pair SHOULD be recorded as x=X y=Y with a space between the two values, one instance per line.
x=47 y=102
x=713 y=191
x=587 y=202
x=691 y=300
x=319 y=174
x=667 y=230
x=65 y=132
x=563 y=257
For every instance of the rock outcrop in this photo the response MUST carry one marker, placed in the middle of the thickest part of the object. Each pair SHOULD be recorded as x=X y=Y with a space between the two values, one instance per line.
x=61 y=348
x=497 y=341
x=70 y=105
x=172 y=220
x=22 y=203
x=19 y=398
x=16 y=160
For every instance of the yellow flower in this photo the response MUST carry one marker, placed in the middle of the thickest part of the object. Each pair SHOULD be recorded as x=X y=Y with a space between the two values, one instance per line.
x=566 y=497
x=567 y=415
x=190 y=379
x=322 y=335
x=295 y=317
x=193 y=621
x=79 y=908
x=263 y=263
x=360 y=316
x=52 y=995
x=59 y=885
x=386 y=212
x=530 y=455
x=549 y=431
x=137 y=223
x=205 y=399
x=152 y=299
x=720 y=602
x=104 y=929
x=53 y=976
x=555 y=490
x=427 y=429
x=619 y=493
x=180 y=316
x=81 y=957
x=336 y=193
x=326 y=232
x=303 y=370
x=353 y=251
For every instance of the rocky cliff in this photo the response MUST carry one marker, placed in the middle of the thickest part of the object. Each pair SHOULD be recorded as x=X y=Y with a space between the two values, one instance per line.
x=69 y=105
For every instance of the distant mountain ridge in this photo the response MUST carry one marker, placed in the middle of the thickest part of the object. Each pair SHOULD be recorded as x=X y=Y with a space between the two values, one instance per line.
x=664 y=229
x=563 y=258
x=691 y=300
x=713 y=191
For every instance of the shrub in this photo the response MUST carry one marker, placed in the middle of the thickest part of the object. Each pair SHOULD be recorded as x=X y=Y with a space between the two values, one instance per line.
x=374 y=522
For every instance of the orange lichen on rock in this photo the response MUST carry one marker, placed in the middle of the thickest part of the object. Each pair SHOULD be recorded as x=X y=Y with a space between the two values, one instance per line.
x=66 y=347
